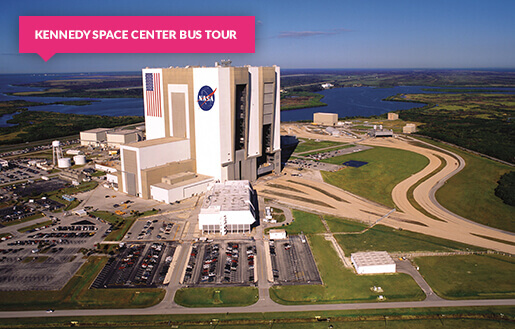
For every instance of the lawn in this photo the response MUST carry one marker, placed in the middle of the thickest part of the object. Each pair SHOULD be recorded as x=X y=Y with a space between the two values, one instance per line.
x=392 y=240
x=306 y=145
x=76 y=295
x=470 y=193
x=337 y=224
x=341 y=285
x=375 y=181
x=121 y=225
x=31 y=227
x=469 y=276
x=305 y=222
x=219 y=296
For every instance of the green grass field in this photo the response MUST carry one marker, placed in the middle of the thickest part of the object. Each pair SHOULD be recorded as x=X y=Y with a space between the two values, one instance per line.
x=389 y=239
x=305 y=222
x=451 y=317
x=219 y=296
x=121 y=225
x=470 y=193
x=341 y=285
x=76 y=295
x=337 y=224
x=375 y=181
x=311 y=144
x=469 y=276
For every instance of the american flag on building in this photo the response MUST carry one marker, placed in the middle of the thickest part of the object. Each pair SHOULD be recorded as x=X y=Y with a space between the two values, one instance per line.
x=153 y=94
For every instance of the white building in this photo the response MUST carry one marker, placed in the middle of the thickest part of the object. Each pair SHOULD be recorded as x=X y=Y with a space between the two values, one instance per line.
x=228 y=208
x=218 y=122
x=115 y=138
x=373 y=262
x=277 y=234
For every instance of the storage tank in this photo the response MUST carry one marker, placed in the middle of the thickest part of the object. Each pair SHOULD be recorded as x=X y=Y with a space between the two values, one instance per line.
x=79 y=159
x=64 y=163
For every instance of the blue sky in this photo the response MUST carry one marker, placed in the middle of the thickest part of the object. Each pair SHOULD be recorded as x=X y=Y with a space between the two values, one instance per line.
x=297 y=34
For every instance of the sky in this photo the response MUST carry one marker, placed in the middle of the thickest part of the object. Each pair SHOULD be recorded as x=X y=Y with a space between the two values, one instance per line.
x=296 y=34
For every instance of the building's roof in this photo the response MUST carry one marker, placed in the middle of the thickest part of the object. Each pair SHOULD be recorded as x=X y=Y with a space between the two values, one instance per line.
x=228 y=196
x=122 y=132
x=371 y=258
x=152 y=142
x=196 y=179
x=96 y=130
x=277 y=231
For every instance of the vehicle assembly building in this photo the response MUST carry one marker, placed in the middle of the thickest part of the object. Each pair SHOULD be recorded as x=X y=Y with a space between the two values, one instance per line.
x=203 y=124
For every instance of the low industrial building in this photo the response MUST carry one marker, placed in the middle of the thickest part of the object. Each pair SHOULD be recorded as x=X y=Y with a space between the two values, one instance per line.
x=325 y=119
x=228 y=207
x=277 y=234
x=180 y=186
x=94 y=137
x=115 y=138
x=373 y=262
x=393 y=116
x=409 y=128
x=380 y=132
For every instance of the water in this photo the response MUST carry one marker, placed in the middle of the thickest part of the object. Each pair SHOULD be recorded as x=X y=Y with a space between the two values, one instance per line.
x=359 y=101
x=365 y=101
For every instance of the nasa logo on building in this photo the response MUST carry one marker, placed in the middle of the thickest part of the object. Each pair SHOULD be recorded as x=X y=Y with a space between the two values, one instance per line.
x=206 y=98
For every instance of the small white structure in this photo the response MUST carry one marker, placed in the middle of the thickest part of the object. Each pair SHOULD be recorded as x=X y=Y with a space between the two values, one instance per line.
x=80 y=212
x=327 y=85
x=277 y=234
x=373 y=262
x=64 y=162
x=409 y=128
x=79 y=159
x=228 y=208
x=393 y=116
x=4 y=163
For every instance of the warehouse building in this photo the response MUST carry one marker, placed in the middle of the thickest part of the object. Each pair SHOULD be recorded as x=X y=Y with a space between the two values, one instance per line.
x=218 y=122
x=93 y=137
x=228 y=207
x=325 y=119
x=373 y=262
x=393 y=116
x=115 y=138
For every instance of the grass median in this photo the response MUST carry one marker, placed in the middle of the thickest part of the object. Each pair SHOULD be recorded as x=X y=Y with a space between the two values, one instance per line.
x=375 y=181
x=469 y=276
x=217 y=297
x=342 y=285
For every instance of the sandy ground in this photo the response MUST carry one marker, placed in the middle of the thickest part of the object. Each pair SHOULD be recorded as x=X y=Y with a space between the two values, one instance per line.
x=344 y=204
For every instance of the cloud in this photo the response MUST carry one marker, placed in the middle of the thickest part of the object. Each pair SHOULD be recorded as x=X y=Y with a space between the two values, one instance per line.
x=304 y=34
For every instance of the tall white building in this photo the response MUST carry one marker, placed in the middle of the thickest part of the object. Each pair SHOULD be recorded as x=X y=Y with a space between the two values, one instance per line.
x=218 y=123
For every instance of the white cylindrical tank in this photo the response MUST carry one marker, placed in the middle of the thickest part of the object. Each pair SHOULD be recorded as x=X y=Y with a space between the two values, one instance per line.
x=64 y=163
x=56 y=144
x=79 y=159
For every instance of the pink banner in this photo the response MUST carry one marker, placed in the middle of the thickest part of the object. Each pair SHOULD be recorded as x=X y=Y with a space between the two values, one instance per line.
x=48 y=35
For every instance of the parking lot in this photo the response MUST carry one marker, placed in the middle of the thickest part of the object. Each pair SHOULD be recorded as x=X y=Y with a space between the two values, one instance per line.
x=19 y=171
x=221 y=262
x=293 y=262
x=46 y=258
x=137 y=265
x=156 y=228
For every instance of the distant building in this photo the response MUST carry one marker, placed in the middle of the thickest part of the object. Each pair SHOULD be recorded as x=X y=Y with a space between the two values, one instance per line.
x=373 y=262
x=93 y=137
x=409 y=128
x=393 y=116
x=4 y=163
x=325 y=119
x=327 y=85
x=380 y=132
x=115 y=138
x=228 y=207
